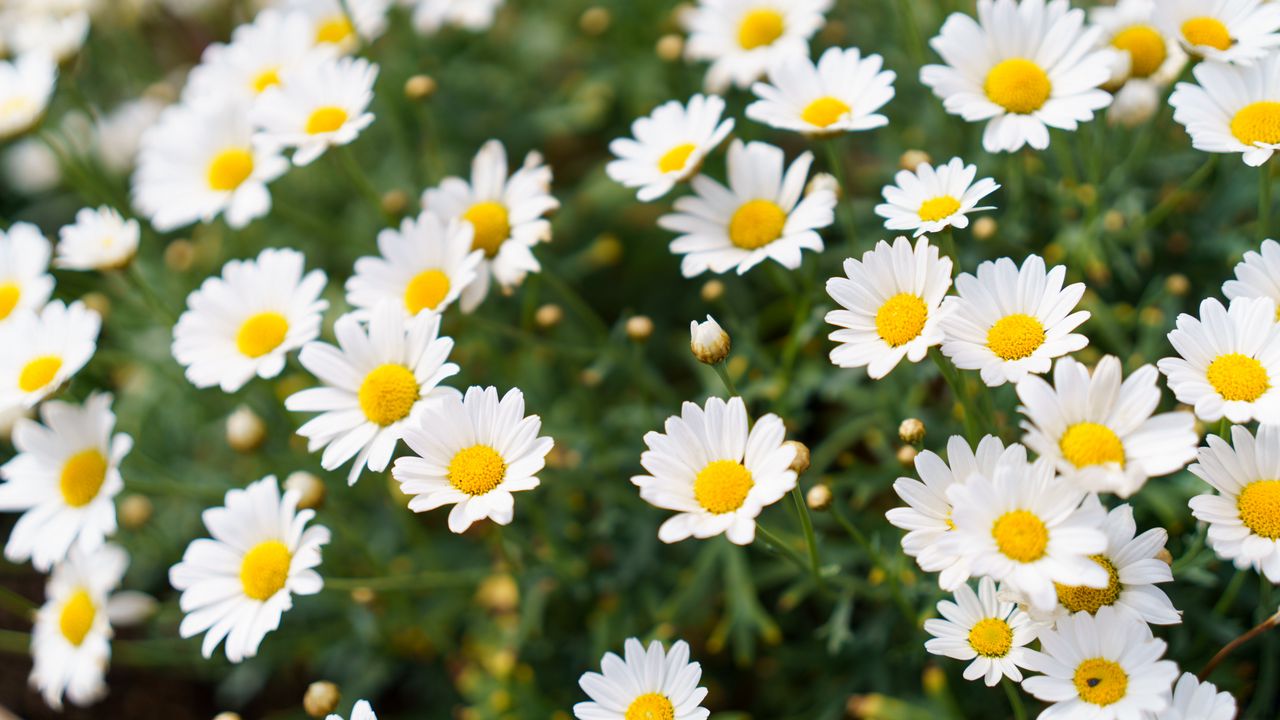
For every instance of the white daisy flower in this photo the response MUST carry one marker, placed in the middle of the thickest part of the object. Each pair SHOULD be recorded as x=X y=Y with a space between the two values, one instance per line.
x=742 y=38
x=245 y=322
x=1134 y=104
x=472 y=453
x=648 y=684
x=1244 y=515
x=98 y=240
x=1101 y=433
x=237 y=584
x=25 y=282
x=44 y=26
x=1140 y=50
x=763 y=214
x=1010 y=321
x=320 y=106
x=199 y=162
x=932 y=199
x=1228 y=361
x=1257 y=275
x=1229 y=31
x=1022 y=67
x=1232 y=109
x=890 y=306
x=475 y=15
x=361 y=711
x=979 y=627
x=377 y=383
x=117 y=135
x=41 y=351
x=713 y=473
x=841 y=93
x=1104 y=667
x=424 y=266
x=332 y=25
x=669 y=145
x=261 y=53
x=1195 y=700
x=506 y=214
x=26 y=84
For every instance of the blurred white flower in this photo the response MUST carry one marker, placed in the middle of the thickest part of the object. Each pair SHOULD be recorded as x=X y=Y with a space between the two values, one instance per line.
x=318 y=107
x=98 y=240
x=40 y=350
x=25 y=282
x=430 y=15
x=118 y=134
x=31 y=168
x=26 y=84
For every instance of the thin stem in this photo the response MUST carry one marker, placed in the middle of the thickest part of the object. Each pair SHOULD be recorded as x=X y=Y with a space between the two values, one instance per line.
x=972 y=425
x=810 y=539
x=895 y=590
x=429 y=579
x=1264 y=201
x=358 y=178
x=843 y=209
x=140 y=282
x=16 y=604
x=1229 y=595
x=1015 y=700
x=1230 y=647
x=576 y=301
x=1166 y=206
x=723 y=374
x=1224 y=429
x=782 y=548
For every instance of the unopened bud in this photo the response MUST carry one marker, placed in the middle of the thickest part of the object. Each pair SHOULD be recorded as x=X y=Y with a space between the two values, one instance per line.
x=984 y=228
x=321 y=698
x=907 y=455
x=394 y=202
x=227 y=716
x=670 y=47
x=911 y=431
x=245 y=430
x=1177 y=284
x=639 y=327
x=712 y=290
x=912 y=159
x=310 y=489
x=801 y=461
x=499 y=593
x=98 y=303
x=819 y=497
x=420 y=87
x=708 y=341
x=179 y=255
x=1165 y=556
x=135 y=511
x=821 y=182
x=548 y=315
x=595 y=21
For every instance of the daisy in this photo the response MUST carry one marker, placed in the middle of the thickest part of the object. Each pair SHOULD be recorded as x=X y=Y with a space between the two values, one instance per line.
x=238 y=584
x=932 y=199
x=762 y=214
x=199 y=162
x=978 y=627
x=321 y=106
x=377 y=383
x=40 y=351
x=1244 y=515
x=1101 y=433
x=841 y=93
x=1022 y=67
x=742 y=38
x=1232 y=109
x=333 y=27
x=63 y=479
x=649 y=683
x=475 y=15
x=505 y=213
x=26 y=84
x=424 y=265
x=25 y=282
x=890 y=306
x=1195 y=700
x=45 y=26
x=245 y=322
x=1257 y=275
x=1010 y=321
x=1105 y=667
x=361 y=711
x=669 y=146
x=259 y=55
x=1227 y=360
x=1229 y=31
x=472 y=453
x=1140 y=50
x=713 y=473
x=98 y=240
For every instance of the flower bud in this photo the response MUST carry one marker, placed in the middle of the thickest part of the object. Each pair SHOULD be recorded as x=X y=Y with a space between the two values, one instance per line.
x=709 y=342
x=420 y=87
x=907 y=455
x=394 y=202
x=135 y=511
x=821 y=182
x=310 y=489
x=227 y=716
x=245 y=430
x=819 y=497
x=912 y=159
x=911 y=431
x=801 y=461
x=548 y=315
x=321 y=698
x=712 y=290
x=639 y=327
x=984 y=228
x=670 y=47
x=595 y=21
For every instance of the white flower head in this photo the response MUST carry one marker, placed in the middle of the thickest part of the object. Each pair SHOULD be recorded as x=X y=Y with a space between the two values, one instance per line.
x=1233 y=109
x=362 y=710
x=1134 y=104
x=652 y=683
x=1195 y=700
x=1244 y=514
x=429 y=16
x=1140 y=49
x=932 y=199
x=334 y=28
x=980 y=627
x=1226 y=31
x=321 y=105
x=41 y=351
x=26 y=85
x=841 y=93
x=423 y=265
x=260 y=55
x=669 y=145
x=1257 y=275
x=98 y=240
x=25 y=282
x=742 y=38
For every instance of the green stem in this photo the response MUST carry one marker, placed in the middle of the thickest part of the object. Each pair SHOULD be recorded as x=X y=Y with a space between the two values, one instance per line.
x=972 y=424
x=574 y=300
x=361 y=181
x=1224 y=429
x=843 y=209
x=429 y=579
x=1166 y=206
x=12 y=641
x=723 y=374
x=1229 y=595
x=810 y=538
x=781 y=547
x=143 y=286
x=877 y=559
x=1015 y=700
x=16 y=604
x=1264 y=201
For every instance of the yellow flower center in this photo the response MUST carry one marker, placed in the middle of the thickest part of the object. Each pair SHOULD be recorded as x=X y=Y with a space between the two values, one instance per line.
x=388 y=394
x=760 y=27
x=268 y=77
x=1020 y=535
x=10 y=294
x=334 y=30
x=265 y=569
x=229 y=168
x=1257 y=122
x=38 y=373
x=756 y=224
x=1145 y=46
x=991 y=637
x=17 y=106
x=426 y=291
x=674 y=159
x=1207 y=31
x=325 y=120
x=1018 y=85
x=82 y=477
x=492 y=226
x=1015 y=336
x=935 y=209
x=1081 y=598
x=1238 y=377
x=824 y=112
x=722 y=486
x=1259 y=505
x=1101 y=682
x=901 y=319
x=1087 y=443
x=650 y=706
x=76 y=618
x=477 y=470
x=261 y=334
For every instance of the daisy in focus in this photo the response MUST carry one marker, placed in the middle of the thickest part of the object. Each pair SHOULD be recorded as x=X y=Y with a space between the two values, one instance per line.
x=25 y=282
x=1141 y=50
x=26 y=85
x=1257 y=275
x=472 y=453
x=841 y=93
x=1228 y=31
x=1244 y=515
x=424 y=266
x=713 y=473
x=98 y=240
x=742 y=38
x=1195 y=700
x=669 y=145
x=247 y=321
x=890 y=306
x=41 y=351
x=762 y=215
x=1227 y=361
x=429 y=16
x=1233 y=109
x=376 y=384
x=237 y=584
x=932 y=199
x=649 y=683
x=978 y=627
x=261 y=53
x=362 y=710
x=1010 y=321
x=321 y=106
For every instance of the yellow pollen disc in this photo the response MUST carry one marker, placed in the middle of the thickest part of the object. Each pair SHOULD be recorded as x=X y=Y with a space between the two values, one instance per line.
x=1086 y=443
x=1207 y=31
x=265 y=569
x=935 y=209
x=19 y=105
x=1145 y=46
x=991 y=637
x=1081 y=598
x=650 y=706
x=325 y=120
x=1018 y=85
x=1238 y=377
x=756 y=224
x=10 y=294
x=1015 y=336
x=388 y=394
x=1101 y=682
x=477 y=470
x=229 y=168
x=76 y=618
x=901 y=319
x=261 y=334
x=269 y=77
x=82 y=477
x=1257 y=122
x=39 y=373
x=492 y=226
x=760 y=27
x=722 y=486
x=1020 y=535
x=1259 y=505
x=426 y=291
x=334 y=30
x=824 y=112
x=675 y=159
